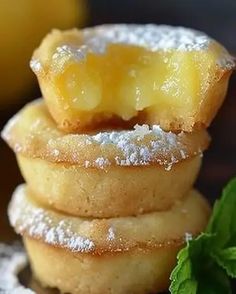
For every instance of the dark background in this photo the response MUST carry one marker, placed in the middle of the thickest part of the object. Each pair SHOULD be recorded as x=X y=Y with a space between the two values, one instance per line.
x=218 y=19
x=215 y=17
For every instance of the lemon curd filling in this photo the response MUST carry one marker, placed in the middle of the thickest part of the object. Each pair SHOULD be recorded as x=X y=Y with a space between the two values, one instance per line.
x=106 y=73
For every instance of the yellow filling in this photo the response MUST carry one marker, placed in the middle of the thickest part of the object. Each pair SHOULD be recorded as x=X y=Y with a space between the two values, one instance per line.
x=128 y=80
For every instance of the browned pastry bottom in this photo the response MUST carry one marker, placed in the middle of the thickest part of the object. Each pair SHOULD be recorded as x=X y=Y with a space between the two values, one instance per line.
x=115 y=255
x=106 y=174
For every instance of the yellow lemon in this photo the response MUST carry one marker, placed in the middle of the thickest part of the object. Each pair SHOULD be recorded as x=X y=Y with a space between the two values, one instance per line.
x=23 y=23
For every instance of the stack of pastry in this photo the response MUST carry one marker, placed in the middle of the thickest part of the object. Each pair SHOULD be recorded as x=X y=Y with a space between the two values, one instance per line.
x=112 y=152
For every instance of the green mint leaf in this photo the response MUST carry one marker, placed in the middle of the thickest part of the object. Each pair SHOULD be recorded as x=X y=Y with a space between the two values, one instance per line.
x=226 y=258
x=185 y=275
x=213 y=279
x=203 y=265
x=188 y=286
x=223 y=219
x=182 y=277
x=197 y=272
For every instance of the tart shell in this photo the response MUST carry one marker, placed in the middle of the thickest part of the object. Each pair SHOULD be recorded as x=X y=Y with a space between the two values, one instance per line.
x=106 y=173
x=116 y=255
x=117 y=191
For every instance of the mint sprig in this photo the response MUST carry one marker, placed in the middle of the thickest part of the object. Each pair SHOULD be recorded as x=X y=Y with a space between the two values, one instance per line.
x=226 y=258
x=207 y=262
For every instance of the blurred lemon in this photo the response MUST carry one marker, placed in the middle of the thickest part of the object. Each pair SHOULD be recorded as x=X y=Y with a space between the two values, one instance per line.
x=23 y=23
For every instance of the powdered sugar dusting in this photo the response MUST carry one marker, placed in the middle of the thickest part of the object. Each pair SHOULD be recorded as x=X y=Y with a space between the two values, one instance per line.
x=12 y=260
x=135 y=150
x=143 y=145
x=101 y=162
x=35 y=65
x=111 y=234
x=41 y=225
x=188 y=237
x=141 y=131
x=152 y=37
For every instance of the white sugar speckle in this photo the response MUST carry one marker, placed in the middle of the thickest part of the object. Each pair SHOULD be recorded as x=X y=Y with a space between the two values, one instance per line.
x=188 y=237
x=12 y=260
x=55 y=152
x=152 y=37
x=141 y=130
x=111 y=234
x=133 y=147
x=35 y=65
x=40 y=225
x=142 y=145
x=102 y=162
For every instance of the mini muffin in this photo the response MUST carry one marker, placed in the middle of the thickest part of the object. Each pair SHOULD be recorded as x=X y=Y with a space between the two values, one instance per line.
x=107 y=173
x=116 y=255
x=172 y=76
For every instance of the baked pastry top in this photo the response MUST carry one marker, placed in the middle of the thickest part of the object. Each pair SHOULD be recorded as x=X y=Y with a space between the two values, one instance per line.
x=172 y=76
x=33 y=133
x=111 y=235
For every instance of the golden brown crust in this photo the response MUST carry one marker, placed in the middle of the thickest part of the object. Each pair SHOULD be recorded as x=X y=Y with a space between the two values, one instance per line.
x=74 y=45
x=34 y=134
x=112 y=235
x=134 y=272
x=112 y=192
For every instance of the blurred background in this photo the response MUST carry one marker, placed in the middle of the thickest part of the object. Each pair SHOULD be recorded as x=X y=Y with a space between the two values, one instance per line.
x=23 y=23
